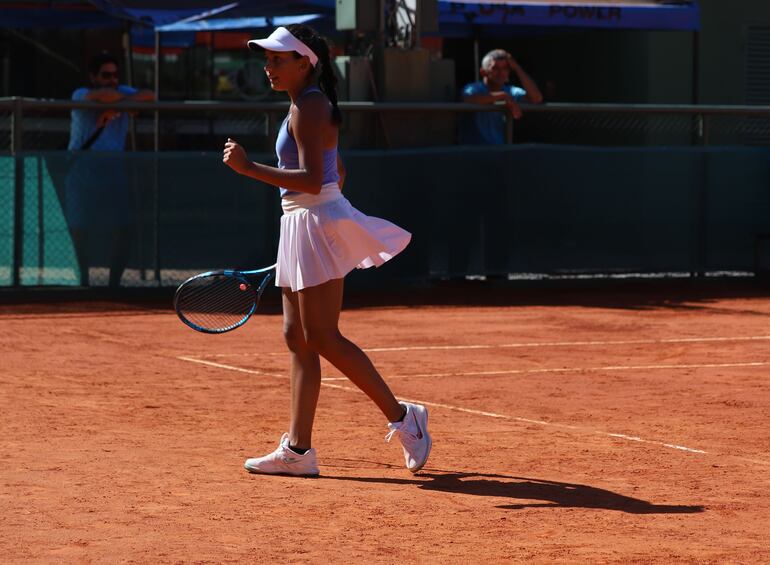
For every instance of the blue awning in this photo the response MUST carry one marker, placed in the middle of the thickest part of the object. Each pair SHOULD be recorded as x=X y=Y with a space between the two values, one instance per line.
x=182 y=34
x=231 y=24
x=462 y=17
x=178 y=24
x=60 y=15
x=256 y=14
x=456 y=17
x=82 y=14
x=153 y=14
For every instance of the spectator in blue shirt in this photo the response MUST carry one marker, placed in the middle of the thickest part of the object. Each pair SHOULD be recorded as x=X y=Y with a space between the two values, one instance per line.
x=487 y=128
x=97 y=194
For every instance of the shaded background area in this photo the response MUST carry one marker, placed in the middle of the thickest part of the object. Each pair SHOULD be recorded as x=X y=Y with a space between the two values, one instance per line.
x=523 y=210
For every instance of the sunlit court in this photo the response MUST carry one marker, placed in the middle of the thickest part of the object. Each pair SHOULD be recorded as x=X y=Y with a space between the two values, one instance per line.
x=595 y=426
x=395 y=281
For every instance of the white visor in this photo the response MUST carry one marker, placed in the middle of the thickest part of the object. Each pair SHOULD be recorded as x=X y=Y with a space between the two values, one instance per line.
x=282 y=40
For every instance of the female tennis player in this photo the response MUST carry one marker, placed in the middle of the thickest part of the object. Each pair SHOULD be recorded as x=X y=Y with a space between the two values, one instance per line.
x=322 y=239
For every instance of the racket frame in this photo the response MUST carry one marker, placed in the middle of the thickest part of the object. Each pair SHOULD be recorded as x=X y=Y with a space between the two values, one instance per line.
x=243 y=276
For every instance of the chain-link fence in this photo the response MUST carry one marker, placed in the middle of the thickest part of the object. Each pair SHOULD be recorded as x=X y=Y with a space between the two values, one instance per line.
x=140 y=217
x=6 y=129
x=61 y=126
x=7 y=220
x=136 y=219
x=609 y=126
x=192 y=126
x=204 y=126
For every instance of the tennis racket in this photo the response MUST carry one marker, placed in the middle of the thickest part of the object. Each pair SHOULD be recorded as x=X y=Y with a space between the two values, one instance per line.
x=216 y=302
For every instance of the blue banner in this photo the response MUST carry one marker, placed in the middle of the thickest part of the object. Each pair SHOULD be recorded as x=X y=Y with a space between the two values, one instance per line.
x=681 y=16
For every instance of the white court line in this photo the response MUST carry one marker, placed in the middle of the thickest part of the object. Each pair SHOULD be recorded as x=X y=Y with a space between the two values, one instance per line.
x=461 y=409
x=572 y=370
x=571 y=343
x=253 y=371
x=230 y=367
x=532 y=344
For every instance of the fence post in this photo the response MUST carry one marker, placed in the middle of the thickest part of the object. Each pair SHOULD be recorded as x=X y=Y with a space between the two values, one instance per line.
x=697 y=133
x=156 y=165
x=18 y=189
x=156 y=215
x=701 y=210
x=17 y=115
x=508 y=128
x=156 y=115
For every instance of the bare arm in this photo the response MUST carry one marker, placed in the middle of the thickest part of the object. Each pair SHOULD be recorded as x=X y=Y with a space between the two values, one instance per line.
x=112 y=95
x=533 y=92
x=494 y=97
x=142 y=96
x=105 y=95
x=490 y=98
x=312 y=117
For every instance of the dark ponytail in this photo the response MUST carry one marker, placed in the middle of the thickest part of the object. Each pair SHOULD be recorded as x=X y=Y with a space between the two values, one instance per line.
x=327 y=80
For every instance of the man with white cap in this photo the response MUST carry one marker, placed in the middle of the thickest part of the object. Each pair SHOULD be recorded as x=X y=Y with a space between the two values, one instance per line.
x=487 y=128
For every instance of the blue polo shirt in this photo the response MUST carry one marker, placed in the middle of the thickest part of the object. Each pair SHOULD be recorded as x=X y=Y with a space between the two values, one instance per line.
x=97 y=194
x=113 y=138
x=486 y=128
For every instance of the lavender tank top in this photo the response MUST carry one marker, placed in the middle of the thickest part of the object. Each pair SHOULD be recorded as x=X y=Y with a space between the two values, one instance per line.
x=288 y=155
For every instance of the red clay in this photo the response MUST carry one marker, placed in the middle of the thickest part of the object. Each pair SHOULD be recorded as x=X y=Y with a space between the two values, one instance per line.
x=115 y=449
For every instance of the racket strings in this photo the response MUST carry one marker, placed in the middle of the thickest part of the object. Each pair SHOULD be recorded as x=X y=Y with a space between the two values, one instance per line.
x=217 y=314
x=215 y=297
x=216 y=302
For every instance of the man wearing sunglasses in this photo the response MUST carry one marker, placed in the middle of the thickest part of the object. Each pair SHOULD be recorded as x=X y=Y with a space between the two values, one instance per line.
x=106 y=88
x=98 y=202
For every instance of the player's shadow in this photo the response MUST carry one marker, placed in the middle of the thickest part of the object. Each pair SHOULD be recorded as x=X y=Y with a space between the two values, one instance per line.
x=547 y=493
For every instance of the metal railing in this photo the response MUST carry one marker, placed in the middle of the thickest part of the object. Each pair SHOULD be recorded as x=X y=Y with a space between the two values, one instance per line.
x=698 y=124
x=49 y=116
x=32 y=124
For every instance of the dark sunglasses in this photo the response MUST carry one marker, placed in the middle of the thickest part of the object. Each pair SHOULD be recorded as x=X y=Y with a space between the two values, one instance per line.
x=108 y=75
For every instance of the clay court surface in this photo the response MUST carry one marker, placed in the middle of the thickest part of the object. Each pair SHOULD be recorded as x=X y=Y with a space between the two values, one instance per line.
x=591 y=426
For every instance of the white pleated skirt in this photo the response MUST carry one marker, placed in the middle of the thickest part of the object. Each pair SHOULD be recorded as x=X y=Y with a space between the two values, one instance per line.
x=323 y=237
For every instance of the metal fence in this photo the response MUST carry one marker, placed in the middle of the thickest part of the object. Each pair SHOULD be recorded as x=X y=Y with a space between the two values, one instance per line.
x=646 y=125
x=581 y=189
x=44 y=125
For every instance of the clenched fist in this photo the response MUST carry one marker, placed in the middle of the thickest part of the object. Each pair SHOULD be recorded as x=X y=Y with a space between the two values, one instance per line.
x=235 y=157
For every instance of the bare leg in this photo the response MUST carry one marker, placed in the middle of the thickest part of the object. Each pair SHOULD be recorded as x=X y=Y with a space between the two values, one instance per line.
x=305 y=374
x=320 y=312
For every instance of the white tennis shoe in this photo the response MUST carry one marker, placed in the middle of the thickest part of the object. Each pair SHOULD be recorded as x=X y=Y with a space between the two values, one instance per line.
x=284 y=461
x=413 y=433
